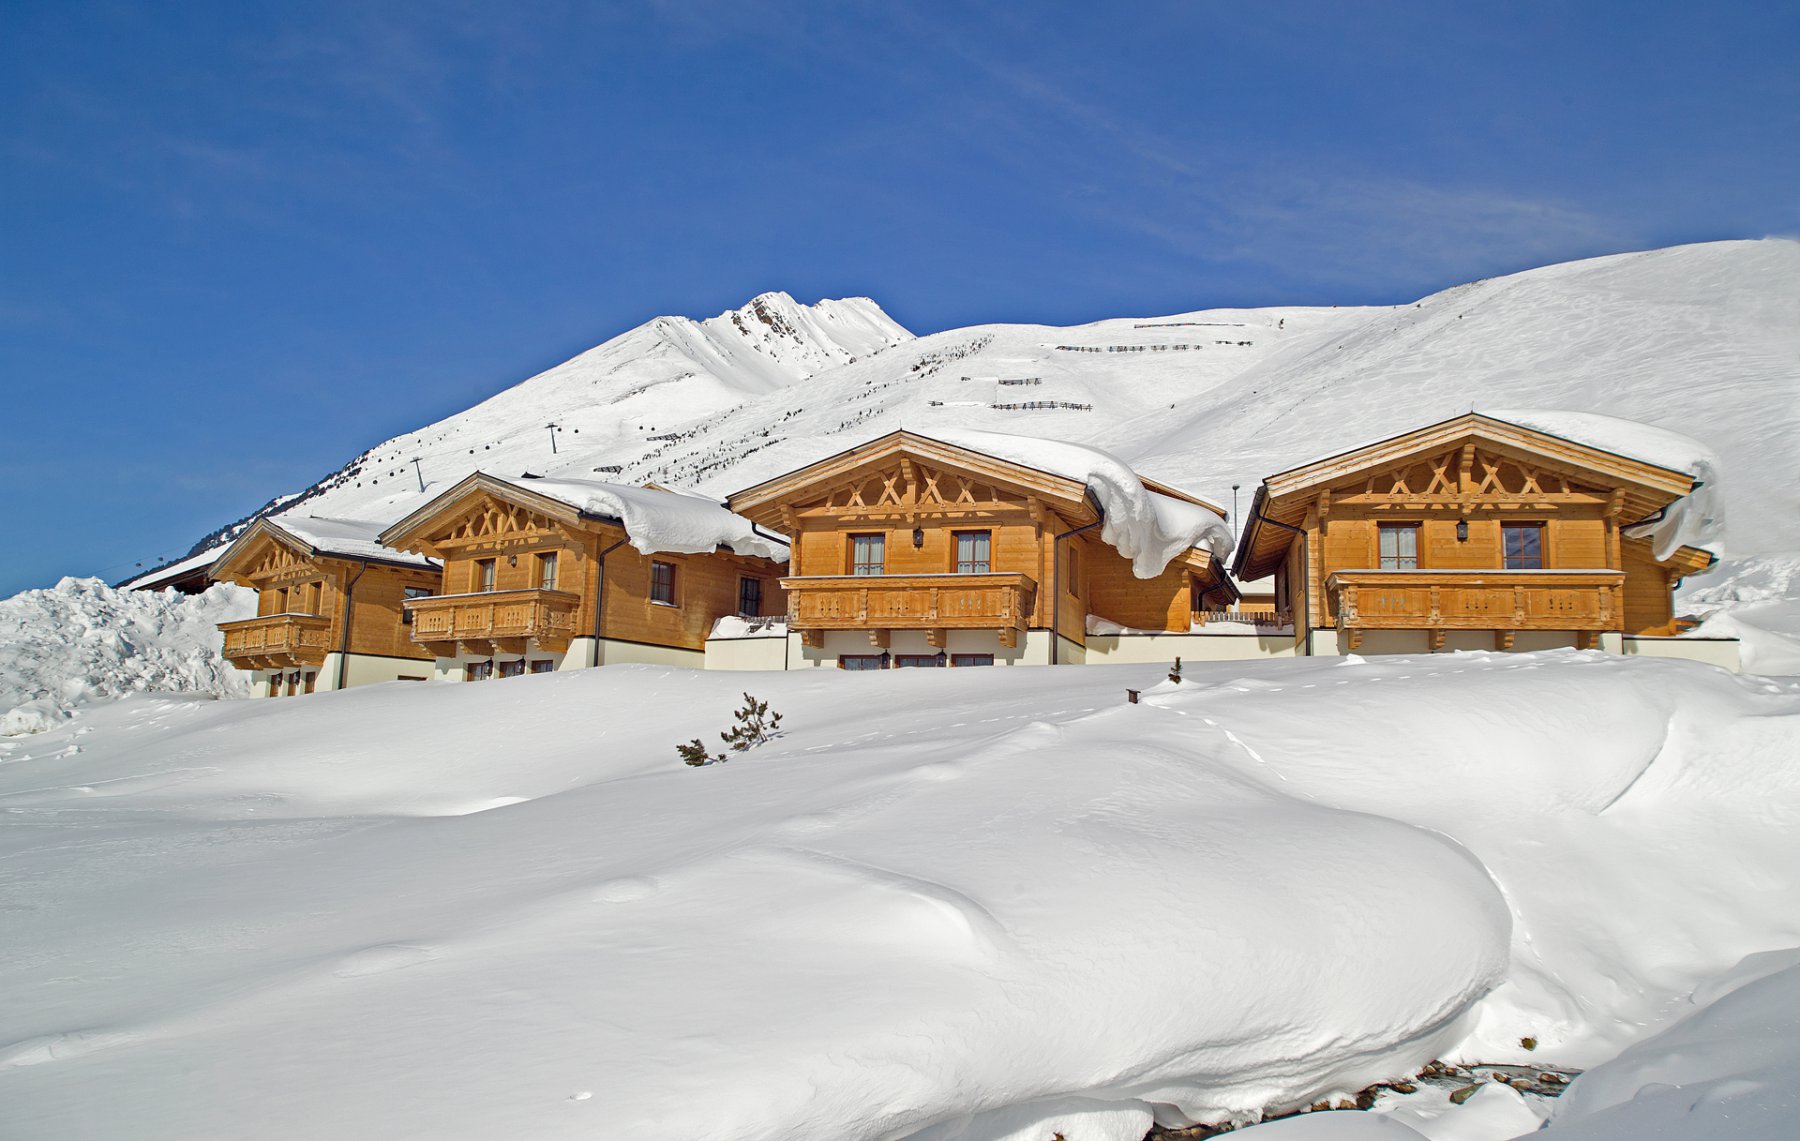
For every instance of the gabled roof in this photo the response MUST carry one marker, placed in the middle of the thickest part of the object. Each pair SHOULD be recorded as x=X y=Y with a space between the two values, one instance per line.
x=654 y=519
x=1280 y=502
x=760 y=501
x=1147 y=522
x=315 y=537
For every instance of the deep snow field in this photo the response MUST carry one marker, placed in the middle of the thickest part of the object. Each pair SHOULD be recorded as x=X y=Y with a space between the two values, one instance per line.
x=1003 y=904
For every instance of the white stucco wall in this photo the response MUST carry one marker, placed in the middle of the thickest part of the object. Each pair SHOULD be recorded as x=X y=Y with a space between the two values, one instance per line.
x=1722 y=652
x=1110 y=649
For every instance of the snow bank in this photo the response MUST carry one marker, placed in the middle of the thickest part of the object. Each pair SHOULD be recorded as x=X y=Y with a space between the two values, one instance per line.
x=1723 y=1073
x=1145 y=526
x=82 y=640
x=983 y=905
x=1695 y=520
x=1757 y=601
x=659 y=520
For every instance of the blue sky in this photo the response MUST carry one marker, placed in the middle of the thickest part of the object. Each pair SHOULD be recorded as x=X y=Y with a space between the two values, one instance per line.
x=241 y=242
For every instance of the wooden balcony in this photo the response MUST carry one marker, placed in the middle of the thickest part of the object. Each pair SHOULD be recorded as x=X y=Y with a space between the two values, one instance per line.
x=500 y=621
x=934 y=603
x=1586 y=602
x=278 y=641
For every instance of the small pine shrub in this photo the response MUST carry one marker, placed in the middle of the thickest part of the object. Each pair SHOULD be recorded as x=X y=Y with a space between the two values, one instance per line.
x=694 y=753
x=755 y=725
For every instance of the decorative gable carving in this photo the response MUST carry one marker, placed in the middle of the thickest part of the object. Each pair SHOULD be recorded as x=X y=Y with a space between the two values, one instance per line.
x=908 y=486
x=281 y=563
x=1469 y=472
x=491 y=521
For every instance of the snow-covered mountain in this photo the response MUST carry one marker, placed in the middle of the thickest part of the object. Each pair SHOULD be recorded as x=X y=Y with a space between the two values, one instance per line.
x=1703 y=339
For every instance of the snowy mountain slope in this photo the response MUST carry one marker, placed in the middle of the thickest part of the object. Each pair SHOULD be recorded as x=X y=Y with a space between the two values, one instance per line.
x=1701 y=339
x=605 y=402
x=986 y=907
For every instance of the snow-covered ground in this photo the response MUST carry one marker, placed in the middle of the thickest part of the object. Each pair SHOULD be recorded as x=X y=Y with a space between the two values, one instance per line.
x=1002 y=904
x=81 y=641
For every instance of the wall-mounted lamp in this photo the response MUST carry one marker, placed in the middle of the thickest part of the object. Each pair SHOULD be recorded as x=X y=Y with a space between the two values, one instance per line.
x=918 y=537
x=1462 y=530
x=512 y=560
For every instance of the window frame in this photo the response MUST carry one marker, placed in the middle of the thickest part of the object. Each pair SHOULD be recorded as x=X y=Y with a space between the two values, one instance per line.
x=1533 y=527
x=921 y=661
x=487 y=576
x=1396 y=561
x=985 y=563
x=750 y=581
x=478 y=671
x=511 y=668
x=863 y=569
x=961 y=661
x=407 y=595
x=878 y=659
x=546 y=570
x=661 y=584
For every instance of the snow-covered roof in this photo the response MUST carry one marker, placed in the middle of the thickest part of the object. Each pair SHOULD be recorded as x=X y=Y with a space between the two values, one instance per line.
x=174 y=570
x=1147 y=527
x=1695 y=520
x=355 y=538
x=662 y=519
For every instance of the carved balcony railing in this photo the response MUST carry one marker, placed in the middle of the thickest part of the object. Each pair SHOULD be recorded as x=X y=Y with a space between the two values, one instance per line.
x=277 y=641
x=930 y=602
x=1586 y=602
x=500 y=621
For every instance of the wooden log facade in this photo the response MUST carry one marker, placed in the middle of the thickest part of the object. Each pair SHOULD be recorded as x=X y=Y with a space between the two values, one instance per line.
x=329 y=614
x=531 y=583
x=911 y=551
x=1470 y=533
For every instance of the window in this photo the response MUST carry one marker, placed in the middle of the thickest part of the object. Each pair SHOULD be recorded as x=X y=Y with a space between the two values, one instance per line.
x=410 y=594
x=312 y=679
x=662 y=583
x=1522 y=546
x=958 y=660
x=868 y=554
x=484 y=575
x=513 y=669
x=306 y=597
x=1399 y=546
x=546 y=571
x=861 y=662
x=281 y=602
x=542 y=666
x=750 y=597
x=478 y=671
x=918 y=661
x=972 y=552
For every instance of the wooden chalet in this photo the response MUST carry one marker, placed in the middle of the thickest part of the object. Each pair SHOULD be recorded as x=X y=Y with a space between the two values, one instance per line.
x=1474 y=533
x=910 y=551
x=329 y=605
x=536 y=579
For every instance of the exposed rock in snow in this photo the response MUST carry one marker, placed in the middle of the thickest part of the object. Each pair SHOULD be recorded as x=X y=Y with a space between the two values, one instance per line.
x=82 y=640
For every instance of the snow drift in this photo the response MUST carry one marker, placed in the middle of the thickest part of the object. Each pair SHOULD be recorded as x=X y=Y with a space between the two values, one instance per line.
x=81 y=640
x=942 y=905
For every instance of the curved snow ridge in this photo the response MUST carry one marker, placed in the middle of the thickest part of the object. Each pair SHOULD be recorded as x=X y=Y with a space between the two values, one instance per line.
x=1147 y=527
x=1695 y=520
